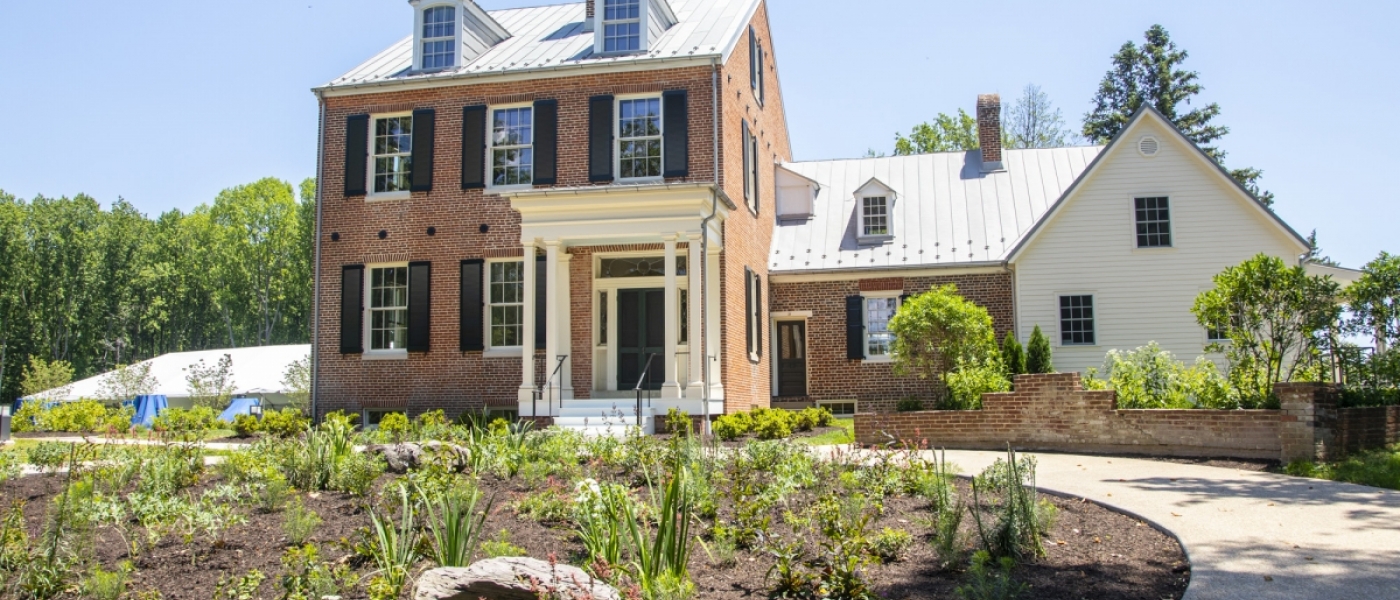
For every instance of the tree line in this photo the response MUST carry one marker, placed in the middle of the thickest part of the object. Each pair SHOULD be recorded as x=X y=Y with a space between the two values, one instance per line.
x=97 y=288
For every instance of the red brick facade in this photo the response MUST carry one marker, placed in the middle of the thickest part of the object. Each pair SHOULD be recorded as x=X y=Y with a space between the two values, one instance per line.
x=447 y=378
x=831 y=376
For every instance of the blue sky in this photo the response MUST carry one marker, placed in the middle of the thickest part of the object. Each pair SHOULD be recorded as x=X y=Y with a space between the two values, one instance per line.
x=165 y=103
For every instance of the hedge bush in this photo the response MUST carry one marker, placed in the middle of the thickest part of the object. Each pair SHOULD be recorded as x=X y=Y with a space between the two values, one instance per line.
x=771 y=423
x=82 y=416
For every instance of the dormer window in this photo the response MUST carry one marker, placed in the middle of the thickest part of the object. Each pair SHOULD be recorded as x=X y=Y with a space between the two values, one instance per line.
x=874 y=216
x=439 y=41
x=622 y=25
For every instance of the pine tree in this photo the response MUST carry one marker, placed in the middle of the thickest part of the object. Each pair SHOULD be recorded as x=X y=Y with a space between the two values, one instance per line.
x=1014 y=355
x=1150 y=74
x=1038 y=358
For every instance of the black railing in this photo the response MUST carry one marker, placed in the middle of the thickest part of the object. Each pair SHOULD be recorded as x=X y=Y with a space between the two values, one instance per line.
x=548 y=388
x=643 y=387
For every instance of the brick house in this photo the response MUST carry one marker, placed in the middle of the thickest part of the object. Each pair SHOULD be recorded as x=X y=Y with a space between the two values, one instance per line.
x=525 y=210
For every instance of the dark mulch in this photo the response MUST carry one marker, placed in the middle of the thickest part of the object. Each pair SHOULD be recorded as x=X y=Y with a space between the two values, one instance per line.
x=1092 y=552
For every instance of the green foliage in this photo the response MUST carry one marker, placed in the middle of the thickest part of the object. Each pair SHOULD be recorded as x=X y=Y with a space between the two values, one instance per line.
x=306 y=577
x=600 y=511
x=297 y=380
x=49 y=456
x=454 y=525
x=772 y=424
x=393 y=547
x=545 y=506
x=14 y=539
x=239 y=588
x=187 y=420
x=1277 y=319
x=1033 y=122
x=41 y=376
x=500 y=546
x=82 y=416
x=1374 y=300
x=1376 y=468
x=211 y=385
x=890 y=545
x=126 y=382
x=945 y=134
x=661 y=555
x=1013 y=356
x=970 y=380
x=1010 y=485
x=1150 y=377
x=986 y=583
x=299 y=522
x=938 y=329
x=246 y=426
x=678 y=422
x=106 y=585
x=395 y=425
x=910 y=404
x=285 y=423
x=1038 y=356
x=733 y=426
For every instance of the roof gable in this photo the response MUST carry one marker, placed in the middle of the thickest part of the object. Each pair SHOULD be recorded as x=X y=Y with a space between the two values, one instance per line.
x=1126 y=141
x=875 y=187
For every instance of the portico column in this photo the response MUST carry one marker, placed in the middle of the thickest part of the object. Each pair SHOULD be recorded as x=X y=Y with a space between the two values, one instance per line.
x=565 y=294
x=693 y=389
x=527 y=332
x=553 y=349
x=714 y=350
x=671 y=388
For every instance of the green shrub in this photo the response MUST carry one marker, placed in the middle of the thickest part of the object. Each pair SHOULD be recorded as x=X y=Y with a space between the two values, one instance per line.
x=909 y=405
x=299 y=522
x=82 y=416
x=987 y=583
x=356 y=472
x=1013 y=356
x=969 y=381
x=106 y=585
x=772 y=424
x=731 y=427
x=500 y=547
x=394 y=425
x=823 y=415
x=49 y=456
x=1038 y=355
x=1150 y=377
x=246 y=425
x=678 y=422
x=187 y=420
x=284 y=423
x=890 y=544
x=803 y=420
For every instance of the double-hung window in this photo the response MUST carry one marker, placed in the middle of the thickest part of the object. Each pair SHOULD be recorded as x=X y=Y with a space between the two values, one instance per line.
x=874 y=216
x=1077 y=321
x=506 y=304
x=622 y=25
x=512 y=146
x=439 y=38
x=639 y=138
x=878 y=337
x=1154 y=222
x=388 y=308
x=392 y=158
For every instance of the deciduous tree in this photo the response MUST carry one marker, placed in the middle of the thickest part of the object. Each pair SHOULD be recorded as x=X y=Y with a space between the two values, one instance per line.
x=1033 y=122
x=945 y=134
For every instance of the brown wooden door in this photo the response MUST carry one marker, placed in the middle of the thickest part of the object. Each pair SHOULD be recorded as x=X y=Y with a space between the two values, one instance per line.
x=792 y=358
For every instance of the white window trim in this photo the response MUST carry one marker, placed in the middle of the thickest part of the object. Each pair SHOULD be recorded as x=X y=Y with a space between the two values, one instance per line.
x=502 y=351
x=368 y=316
x=1059 y=323
x=418 y=14
x=1132 y=222
x=756 y=296
x=491 y=148
x=370 y=194
x=617 y=137
x=865 y=315
x=643 y=30
x=861 y=236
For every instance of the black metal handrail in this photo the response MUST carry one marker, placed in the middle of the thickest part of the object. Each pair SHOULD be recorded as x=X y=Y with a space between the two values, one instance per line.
x=548 y=385
x=646 y=372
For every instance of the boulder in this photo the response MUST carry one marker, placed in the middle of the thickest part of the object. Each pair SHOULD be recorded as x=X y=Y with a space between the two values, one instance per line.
x=402 y=457
x=515 y=578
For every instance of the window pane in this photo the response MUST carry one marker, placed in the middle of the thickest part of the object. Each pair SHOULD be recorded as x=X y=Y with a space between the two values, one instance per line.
x=1077 y=320
x=878 y=312
x=1153 y=218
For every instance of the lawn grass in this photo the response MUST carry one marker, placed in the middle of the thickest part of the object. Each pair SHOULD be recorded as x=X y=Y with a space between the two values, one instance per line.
x=845 y=435
x=1376 y=468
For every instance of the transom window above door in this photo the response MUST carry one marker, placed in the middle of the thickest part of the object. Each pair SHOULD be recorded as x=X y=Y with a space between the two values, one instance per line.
x=512 y=146
x=641 y=266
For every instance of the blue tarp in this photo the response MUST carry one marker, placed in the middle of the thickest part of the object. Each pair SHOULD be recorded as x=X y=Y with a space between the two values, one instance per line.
x=147 y=408
x=239 y=406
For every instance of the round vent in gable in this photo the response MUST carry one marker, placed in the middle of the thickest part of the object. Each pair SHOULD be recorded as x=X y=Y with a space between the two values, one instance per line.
x=1148 y=146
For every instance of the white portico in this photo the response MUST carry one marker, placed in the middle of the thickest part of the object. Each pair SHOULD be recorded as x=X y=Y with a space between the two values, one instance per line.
x=649 y=300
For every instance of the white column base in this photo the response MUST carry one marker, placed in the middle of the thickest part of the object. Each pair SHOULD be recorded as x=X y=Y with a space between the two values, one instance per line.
x=671 y=391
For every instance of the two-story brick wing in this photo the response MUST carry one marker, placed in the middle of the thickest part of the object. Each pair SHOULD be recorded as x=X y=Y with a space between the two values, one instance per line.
x=526 y=210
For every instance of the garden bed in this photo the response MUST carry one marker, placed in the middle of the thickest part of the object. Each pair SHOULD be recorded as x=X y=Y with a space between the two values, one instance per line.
x=1089 y=551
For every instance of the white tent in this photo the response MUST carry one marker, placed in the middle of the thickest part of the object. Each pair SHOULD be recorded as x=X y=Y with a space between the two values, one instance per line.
x=257 y=372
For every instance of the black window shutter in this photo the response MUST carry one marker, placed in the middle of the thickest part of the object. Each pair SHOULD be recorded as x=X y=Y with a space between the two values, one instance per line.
x=753 y=59
x=473 y=147
x=762 y=56
x=541 y=293
x=748 y=308
x=757 y=191
x=855 y=328
x=600 y=139
x=758 y=313
x=356 y=154
x=748 y=161
x=420 y=306
x=352 y=309
x=546 y=142
x=424 y=124
x=677 y=133
x=473 y=309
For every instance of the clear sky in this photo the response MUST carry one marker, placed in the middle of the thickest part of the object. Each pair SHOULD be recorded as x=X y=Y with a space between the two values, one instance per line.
x=166 y=102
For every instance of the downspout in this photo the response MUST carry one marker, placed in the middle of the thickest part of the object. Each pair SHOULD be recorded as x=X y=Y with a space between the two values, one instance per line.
x=316 y=268
x=705 y=253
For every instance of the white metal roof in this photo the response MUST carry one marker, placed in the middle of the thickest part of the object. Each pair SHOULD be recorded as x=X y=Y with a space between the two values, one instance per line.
x=947 y=212
x=550 y=37
x=256 y=370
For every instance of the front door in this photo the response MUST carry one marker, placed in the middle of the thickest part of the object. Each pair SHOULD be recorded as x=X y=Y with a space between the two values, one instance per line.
x=641 y=332
x=792 y=358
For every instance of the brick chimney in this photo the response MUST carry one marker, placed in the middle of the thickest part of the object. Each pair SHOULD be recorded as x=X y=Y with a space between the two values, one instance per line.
x=989 y=131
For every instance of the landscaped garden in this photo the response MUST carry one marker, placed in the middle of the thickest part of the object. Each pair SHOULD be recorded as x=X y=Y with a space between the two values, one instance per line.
x=304 y=515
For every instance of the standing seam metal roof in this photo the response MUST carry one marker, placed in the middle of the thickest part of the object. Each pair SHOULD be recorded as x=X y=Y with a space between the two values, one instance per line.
x=552 y=36
x=947 y=212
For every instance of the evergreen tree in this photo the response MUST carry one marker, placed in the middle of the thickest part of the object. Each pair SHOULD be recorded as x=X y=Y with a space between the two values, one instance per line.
x=1038 y=359
x=1014 y=355
x=1151 y=74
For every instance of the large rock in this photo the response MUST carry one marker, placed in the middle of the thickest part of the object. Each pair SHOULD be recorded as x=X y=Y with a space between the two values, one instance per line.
x=402 y=457
x=512 y=579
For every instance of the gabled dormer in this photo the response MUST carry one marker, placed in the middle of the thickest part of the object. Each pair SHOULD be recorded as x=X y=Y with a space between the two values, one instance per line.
x=622 y=27
x=796 y=195
x=449 y=34
x=874 y=212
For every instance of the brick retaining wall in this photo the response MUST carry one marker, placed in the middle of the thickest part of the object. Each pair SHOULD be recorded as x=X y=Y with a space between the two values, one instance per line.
x=1362 y=428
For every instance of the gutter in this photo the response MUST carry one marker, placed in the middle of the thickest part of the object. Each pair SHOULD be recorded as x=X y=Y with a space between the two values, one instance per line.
x=849 y=271
x=316 y=268
x=705 y=251
x=646 y=63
